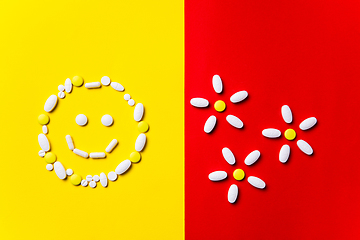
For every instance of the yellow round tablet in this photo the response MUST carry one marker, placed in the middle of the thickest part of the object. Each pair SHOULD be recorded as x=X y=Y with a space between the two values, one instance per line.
x=143 y=127
x=290 y=134
x=220 y=106
x=239 y=174
x=77 y=81
x=50 y=157
x=43 y=119
x=135 y=157
x=75 y=179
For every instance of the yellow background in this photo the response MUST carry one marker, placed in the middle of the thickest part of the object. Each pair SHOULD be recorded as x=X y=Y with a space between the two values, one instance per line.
x=137 y=43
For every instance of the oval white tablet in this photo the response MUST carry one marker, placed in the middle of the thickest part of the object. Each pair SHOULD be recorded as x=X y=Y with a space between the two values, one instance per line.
x=140 y=142
x=131 y=102
x=252 y=157
x=305 y=147
x=103 y=179
x=92 y=184
x=81 y=153
x=271 y=133
x=50 y=103
x=210 y=124
x=286 y=114
x=233 y=193
x=111 y=146
x=284 y=153
x=42 y=153
x=107 y=120
x=256 y=182
x=61 y=88
x=239 y=96
x=68 y=85
x=81 y=120
x=96 y=178
x=45 y=129
x=228 y=155
x=138 y=112
x=84 y=183
x=44 y=142
x=49 y=167
x=199 y=102
x=97 y=155
x=61 y=95
x=217 y=176
x=69 y=172
x=117 y=86
x=93 y=85
x=217 y=84
x=123 y=167
x=234 y=121
x=105 y=80
x=59 y=170
x=69 y=142
x=112 y=176
x=89 y=178
x=308 y=123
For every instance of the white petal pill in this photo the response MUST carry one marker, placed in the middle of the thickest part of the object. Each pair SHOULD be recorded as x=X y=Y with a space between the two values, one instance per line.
x=84 y=183
x=92 y=184
x=228 y=155
x=69 y=172
x=239 y=96
x=69 y=142
x=111 y=146
x=42 y=153
x=271 y=133
x=68 y=85
x=89 y=178
x=140 y=142
x=199 y=102
x=44 y=142
x=45 y=129
x=123 y=167
x=217 y=176
x=127 y=97
x=217 y=84
x=97 y=155
x=256 y=182
x=49 y=167
x=286 y=114
x=305 y=147
x=308 y=123
x=252 y=157
x=131 y=102
x=50 y=103
x=112 y=176
x=96 y=178
x=210 y=124
x=138 y=112
x=105 y=80
x=93 y=85
x=284 y=153
x=103 y=179
x=81 y=120
x=61 y=95
x=107 y=120
x=59 y=170
x=117 y=86
x=233 y=193
x=61 y=88
x=234 y=121
x=81 y=153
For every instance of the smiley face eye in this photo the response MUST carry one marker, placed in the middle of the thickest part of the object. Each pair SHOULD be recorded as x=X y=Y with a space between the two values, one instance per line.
x=107 y=120
x=81 y=120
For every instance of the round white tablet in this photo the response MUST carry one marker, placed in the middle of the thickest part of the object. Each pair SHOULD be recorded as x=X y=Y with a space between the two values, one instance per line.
x=131 y=102
x=93 y=184
x=105 y=81
x=61 y=88
x=127 y=97
x=49 y=167
x=84 y=183
x=112 y=176
x=42 y=153
x=61 y=95
x=81 y=120
x=89 y=178
x=69 y=172
x=107 y=120
x=96 y=178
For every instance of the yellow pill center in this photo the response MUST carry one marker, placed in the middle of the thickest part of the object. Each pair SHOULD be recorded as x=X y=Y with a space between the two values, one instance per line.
x=220 y=106
x=239 y=174
x=290 y=134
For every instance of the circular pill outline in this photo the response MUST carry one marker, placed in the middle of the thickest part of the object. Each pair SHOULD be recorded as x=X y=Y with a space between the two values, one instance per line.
x=73 y=173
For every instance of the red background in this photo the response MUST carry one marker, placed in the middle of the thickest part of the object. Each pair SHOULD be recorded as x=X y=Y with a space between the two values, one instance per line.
x=304 y=54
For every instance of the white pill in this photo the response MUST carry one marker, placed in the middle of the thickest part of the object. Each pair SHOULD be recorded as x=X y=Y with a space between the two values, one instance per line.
x=228 y=155
x=69 y=172
x=105 y=81
x=42 y=153
x=59 y=170
x=256 y=182
x=93 y=85
x=131 y=102
x=103 y=179
x=233 y=193
x=68 y=85
x=123 y=167
x=284 y=153
x=199 y=102
x=140 y=142
x=111 y=146
x=271 y=133
x=69 y=142
x=89 y=178
x=49 y=167
x=217 y=176
x=217 y=84
x=286 y=114
x=308 y=123
x=81 y=120
x=239 y=96
x=305 y=147
x=50 y=103
x=81 y=153
x=97 y=155
x=45 y=129
x=107 y=120
x=96 y=178
x=210 y=124
x=112 y=176
x=44 y=142
x=117 y=86
x=138 y=112
x=234 y=121
x=92 y=184
x=61 y=88
x=252 y=157
x=84 y=183
x=61 y=95
x=127 y=97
